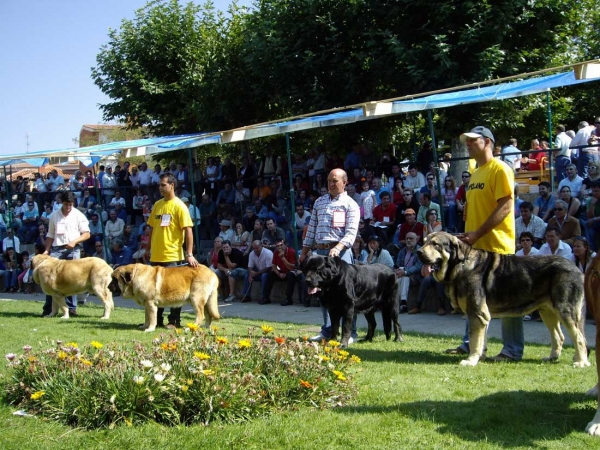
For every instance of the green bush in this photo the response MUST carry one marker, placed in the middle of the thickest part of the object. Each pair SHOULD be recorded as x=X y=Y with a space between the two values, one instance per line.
x=190 y=376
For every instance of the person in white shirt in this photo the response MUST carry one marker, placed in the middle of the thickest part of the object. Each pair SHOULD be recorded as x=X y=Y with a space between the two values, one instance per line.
x=526 y=244
x=563 y=156
x=194 y=211
x=11 y=241
x=259 y=267
x=572 y=180
x=54 y=181
x=554 y=246
x=584 y=155
x=415 y=180
x=514 y=159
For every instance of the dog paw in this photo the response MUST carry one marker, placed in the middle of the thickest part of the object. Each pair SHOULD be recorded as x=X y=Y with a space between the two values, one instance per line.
x=593 y=392
x=550 y=359
x=469 y=362
x=104 y=317
x=581 y=364
x=149 y=330
x=65 y=317
x=593 y=428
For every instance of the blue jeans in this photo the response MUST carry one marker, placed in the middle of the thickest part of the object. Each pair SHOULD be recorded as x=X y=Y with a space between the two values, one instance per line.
x=560 y=165
x=345 y=255
x=512 y=337
x=10 y=279
x=264 y=282
x=62 y=253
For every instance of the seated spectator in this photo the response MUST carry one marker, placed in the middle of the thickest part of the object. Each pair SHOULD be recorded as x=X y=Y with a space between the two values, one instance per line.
x=573 y=203
x=432 y=225
x=248 y=219
x=350 y=190
x=84 y=202
x=375 y=254
x=409 y=269
x=531 y=223
x=45 y=217
x=358 y=250
x=283 y=268
x=260 y=261
x=25 y=277
x=426 y=205
x=368 y=201
x=144 y=240
x=426 y=283
x=306 y=200
x=212 y=257
x=121 y=212
x=262 y=189
x=12 y=264
x=261 y=210
x=243 y=197
x=11 y=241
x=121 y=255
x=272 y=234
x=101 y=251
x=29 y=227
x=117 y=200
x=431 y=188
x=241 y=239
x=226 y=195
x=41 y=237
x=378 y=188
x=554 y=246
x=572 y=180
x=301 y=218
x=230 y=268
x=569 y=226
x=257 y=232
x=114 y=227
x=582 y=253
x=526 y=240
x=592 y=224
x=384 y=214
x=227 y=232
x=137 y=209
x=208 y=213
x=449 y=192
x=409 y=226
x=129 y=238
x=414 y=180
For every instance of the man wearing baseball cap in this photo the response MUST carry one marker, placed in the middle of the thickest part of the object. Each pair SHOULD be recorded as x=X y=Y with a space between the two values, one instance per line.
x=410 y=225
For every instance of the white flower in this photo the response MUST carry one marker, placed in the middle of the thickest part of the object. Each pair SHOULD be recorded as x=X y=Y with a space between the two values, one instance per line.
x=159 y=377
x=151 y=398
x=112 y=398
x=27 y=348
x=165 y=367
x=146 y=364
x=302 y=357
x=139 y=380
x=11 y=356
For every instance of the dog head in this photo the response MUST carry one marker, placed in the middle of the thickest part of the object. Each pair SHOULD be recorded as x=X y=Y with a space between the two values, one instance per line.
x=440 y=253
x=122 y=278
x=320 y=270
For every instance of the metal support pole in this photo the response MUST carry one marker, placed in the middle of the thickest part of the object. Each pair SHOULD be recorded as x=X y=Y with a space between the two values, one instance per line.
x=193 y=202
x=551 y=154
x=436 y=168
x=292 y=192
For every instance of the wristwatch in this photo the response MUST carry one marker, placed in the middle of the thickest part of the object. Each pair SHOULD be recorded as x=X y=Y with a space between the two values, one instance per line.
x=189 y=255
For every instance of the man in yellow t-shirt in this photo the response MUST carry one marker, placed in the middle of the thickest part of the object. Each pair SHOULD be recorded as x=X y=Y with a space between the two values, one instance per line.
x=171 y=228
x=490 y=225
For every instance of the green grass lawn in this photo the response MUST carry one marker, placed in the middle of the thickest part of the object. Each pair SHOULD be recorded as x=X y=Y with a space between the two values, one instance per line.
x=410 y=395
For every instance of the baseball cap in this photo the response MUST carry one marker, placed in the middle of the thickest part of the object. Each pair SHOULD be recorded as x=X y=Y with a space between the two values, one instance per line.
x=477 y=132
x=409 y=211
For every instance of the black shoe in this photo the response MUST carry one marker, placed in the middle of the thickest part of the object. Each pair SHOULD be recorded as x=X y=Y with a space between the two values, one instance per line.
x=73 y=313
x=264 y=301
x=403 y=309
x=287 y=303
x=246 y=300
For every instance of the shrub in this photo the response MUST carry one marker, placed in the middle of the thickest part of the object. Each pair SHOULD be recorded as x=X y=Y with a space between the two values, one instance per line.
x=187 y=377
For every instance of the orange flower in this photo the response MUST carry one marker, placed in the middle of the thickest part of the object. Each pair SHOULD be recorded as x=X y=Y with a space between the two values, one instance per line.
x=279 y=340
x=222 y=340
x=305 y=384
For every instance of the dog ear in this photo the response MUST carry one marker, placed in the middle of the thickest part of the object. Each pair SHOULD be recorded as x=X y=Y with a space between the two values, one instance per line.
x=126 y=277
x=460 y=248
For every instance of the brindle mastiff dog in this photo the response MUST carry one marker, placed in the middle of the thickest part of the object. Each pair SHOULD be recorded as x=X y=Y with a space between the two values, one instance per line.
x=154 y=286
x=486 y=284
x=592 y=298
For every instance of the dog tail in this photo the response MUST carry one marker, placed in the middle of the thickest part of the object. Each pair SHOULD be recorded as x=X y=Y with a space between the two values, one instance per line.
x=211 y=310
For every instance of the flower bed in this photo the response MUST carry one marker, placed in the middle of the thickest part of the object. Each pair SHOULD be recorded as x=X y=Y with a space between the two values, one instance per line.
x=187 y=377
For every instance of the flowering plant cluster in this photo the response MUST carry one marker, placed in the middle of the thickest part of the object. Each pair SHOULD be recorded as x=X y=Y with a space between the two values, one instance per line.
x=191 y=376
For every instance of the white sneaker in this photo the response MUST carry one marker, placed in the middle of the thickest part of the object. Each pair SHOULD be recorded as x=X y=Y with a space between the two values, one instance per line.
x=351 y=340
x=230 y=299
x=318 y=338
x=527 y=318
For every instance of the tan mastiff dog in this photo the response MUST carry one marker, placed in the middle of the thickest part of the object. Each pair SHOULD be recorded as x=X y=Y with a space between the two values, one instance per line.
x=592 y=298
x=156 y=286
x=61 y=278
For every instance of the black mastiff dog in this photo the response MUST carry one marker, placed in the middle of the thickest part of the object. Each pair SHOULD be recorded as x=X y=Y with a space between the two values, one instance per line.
x=345 y=289
x=486 y=284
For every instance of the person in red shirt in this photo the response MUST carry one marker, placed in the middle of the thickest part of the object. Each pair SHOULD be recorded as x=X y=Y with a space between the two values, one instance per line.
x=410 y=225
x=284 y=269
x=534 y=160
x=385 y=214
x=461 y=199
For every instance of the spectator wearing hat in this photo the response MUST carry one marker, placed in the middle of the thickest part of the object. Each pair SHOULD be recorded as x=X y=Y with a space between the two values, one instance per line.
x=411 y=225
x=376 y=254
x=283 y=268
x=227 y=232
x=194 y=211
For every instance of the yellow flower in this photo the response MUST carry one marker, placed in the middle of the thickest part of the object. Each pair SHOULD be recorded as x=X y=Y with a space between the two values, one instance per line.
x=305 y=384
x=96 y=344
x=85 y=362
x=244 y=343
x=184 y=388
x=201 y=355
x=37 y=395
x=208 y=372
x=266 y=329
x=327 y=349
x=343 y=353
x=222 y=340
x=324 y=358
x=71 y=344
x=304 y=338
x=339 y=375
x=189 y=381
x=355 y=359
x=333 y=343
x=192 y=326
x=214 y=329
x=128 y=422
x=61 y=355
x=32 y=359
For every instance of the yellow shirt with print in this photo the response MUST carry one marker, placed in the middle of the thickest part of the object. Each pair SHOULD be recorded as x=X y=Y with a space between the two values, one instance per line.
x=167 y=241
x=488 y=184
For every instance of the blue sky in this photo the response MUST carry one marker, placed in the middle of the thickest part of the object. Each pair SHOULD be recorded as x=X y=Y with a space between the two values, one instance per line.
x=46 y=51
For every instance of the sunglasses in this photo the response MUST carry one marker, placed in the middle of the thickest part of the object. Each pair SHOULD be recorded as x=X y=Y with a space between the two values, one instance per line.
x=559 y=209
x=466 y=176
x=430 y=178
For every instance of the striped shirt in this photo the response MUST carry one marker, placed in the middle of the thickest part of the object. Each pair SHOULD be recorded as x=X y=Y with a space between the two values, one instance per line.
x=333 y=220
